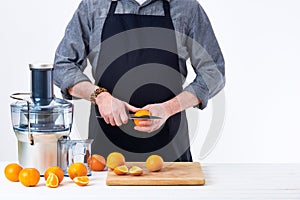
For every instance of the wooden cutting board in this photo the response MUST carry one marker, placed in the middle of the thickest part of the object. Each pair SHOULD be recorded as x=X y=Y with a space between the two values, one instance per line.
x=173 y=173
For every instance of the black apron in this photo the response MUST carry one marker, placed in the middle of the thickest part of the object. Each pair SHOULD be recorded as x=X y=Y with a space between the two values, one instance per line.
x=138 y=63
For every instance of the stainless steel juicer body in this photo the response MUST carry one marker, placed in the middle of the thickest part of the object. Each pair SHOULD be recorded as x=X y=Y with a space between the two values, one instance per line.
x=40 y=120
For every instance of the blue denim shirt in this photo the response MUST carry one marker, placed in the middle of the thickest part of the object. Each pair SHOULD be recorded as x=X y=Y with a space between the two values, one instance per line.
x=195 y=40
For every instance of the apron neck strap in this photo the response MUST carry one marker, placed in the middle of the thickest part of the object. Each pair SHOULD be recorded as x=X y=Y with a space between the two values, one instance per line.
x=166 y=5
x=113 y=7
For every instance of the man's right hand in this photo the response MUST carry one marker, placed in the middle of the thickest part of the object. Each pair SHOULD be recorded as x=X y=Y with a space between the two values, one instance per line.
x=113 y=110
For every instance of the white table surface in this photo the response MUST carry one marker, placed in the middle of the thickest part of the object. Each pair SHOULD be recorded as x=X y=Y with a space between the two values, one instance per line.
x=223 y=181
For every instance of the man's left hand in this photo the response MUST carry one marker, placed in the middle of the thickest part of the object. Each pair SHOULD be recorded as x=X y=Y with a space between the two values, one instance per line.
x=159 y=110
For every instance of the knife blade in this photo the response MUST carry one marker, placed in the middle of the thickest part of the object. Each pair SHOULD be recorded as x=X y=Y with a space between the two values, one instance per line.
x=143 y=117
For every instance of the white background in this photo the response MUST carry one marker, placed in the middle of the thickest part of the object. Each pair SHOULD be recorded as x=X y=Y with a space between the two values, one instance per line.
x=260 y=42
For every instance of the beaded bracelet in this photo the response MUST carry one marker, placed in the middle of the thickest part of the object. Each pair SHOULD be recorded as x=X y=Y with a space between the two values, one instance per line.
x=94 y=95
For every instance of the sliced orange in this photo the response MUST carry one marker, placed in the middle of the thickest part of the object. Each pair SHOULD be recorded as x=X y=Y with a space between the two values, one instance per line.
x=136 y=171
x=121 y=170
x=52 y=180
x=57 y=171
x=140 y=113
x=81 y=180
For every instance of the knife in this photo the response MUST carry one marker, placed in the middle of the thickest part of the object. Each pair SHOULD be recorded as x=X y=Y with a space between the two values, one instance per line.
x=145 y=117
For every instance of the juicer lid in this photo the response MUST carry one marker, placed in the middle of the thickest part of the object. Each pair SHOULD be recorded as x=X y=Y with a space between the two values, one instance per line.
x=24 y=102
x=41 y=66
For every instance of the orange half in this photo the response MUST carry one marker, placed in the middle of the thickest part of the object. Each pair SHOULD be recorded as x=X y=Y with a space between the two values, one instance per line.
x=121 y=170
x=52 y=180
x=81 y=180
x=136 y=171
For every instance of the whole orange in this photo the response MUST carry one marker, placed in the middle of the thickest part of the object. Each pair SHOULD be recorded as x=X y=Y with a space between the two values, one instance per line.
x=114 y=160
x=154 y=163
x=138 y=114
x=12 y=171
x=29 y=177
x=96 y=162
x=55 y=170
x=77 y=169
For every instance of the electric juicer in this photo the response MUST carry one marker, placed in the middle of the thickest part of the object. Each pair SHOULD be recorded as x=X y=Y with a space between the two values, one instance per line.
x=39 y=120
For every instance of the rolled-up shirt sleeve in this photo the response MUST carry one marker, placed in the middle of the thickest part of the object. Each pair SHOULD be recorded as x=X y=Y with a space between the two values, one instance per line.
x=206 y=58
x=70 y=57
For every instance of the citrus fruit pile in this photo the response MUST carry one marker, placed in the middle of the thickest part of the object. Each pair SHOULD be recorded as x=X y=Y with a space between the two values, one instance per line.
x=54 y=175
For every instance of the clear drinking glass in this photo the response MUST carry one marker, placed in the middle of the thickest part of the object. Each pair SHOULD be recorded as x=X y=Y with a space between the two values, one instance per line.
x=72 y=151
